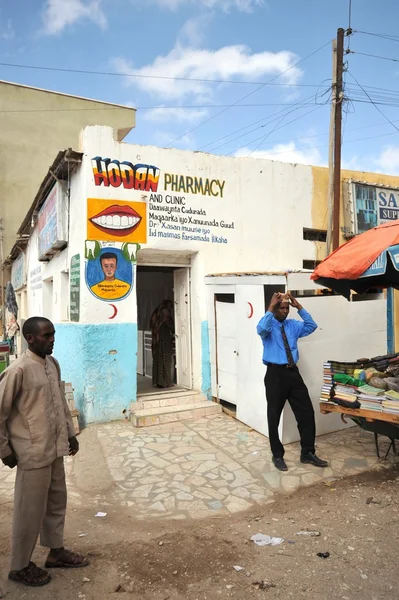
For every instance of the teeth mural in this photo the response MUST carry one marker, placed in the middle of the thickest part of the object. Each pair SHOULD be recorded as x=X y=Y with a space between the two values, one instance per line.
x=90 y=249
x=117 y=220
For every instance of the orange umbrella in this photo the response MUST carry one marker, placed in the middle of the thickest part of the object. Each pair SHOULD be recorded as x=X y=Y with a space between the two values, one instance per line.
x=370 y=259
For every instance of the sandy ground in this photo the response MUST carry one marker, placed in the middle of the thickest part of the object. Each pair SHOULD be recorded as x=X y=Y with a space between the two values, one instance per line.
x=357 y=519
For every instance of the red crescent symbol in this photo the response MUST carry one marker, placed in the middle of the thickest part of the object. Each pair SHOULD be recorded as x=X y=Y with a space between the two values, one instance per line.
x=115 y=311
x=252 y=310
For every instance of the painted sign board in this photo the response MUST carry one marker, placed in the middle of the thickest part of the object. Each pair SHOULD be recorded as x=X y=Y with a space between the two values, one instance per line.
x=51 y=225
x=74 y=289
x=117 y=221
x=371 y=206
x=18 y=273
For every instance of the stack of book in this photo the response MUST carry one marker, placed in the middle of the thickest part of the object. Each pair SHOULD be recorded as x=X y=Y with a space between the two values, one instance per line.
x=390 y=404
x=370 y=398
x=325 y=394
x=346 y=393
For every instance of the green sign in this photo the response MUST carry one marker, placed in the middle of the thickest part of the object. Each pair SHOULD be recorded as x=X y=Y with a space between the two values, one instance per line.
x=74 y=289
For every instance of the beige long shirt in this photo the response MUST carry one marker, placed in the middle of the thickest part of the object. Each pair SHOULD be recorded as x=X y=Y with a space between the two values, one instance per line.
x=34 y=415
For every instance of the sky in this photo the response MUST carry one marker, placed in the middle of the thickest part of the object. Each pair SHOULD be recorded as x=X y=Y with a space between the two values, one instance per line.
x=230 y=77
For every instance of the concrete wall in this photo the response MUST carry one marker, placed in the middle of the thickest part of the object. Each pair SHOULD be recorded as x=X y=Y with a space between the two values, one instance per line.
x=319 y=214
x=346 y=331
x=34 y=126
x=217 y=214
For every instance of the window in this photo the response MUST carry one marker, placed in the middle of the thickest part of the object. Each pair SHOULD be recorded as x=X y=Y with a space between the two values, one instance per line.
x=314 y=235
x=226 y=298
x=365 y=207
x=310 y=264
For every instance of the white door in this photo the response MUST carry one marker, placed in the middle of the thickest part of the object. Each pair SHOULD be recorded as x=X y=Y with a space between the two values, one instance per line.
x=183 y=327
x=226 y=351
x=251 y=404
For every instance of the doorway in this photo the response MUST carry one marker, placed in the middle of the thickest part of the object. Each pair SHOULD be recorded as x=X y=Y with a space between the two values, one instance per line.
x=226 y=344
x=156 y=284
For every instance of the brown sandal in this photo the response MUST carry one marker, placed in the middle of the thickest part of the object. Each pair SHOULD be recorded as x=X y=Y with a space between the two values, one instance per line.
x=68 y=560
x=31 y=576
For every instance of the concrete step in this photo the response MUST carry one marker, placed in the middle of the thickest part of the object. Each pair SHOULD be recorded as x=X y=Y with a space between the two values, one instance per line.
x=173 y=398
x=170 y=414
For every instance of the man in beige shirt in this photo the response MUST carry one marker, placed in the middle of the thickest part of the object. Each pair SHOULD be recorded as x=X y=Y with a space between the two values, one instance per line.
x=36 y=432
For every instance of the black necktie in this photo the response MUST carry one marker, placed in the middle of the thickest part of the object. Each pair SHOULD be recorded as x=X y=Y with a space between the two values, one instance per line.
x=288 y=352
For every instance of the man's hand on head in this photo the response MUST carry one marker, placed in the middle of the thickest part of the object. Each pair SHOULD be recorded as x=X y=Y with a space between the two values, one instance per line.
x=275 y=301
x=10 y=461
x=294 y=302
x=73 y=446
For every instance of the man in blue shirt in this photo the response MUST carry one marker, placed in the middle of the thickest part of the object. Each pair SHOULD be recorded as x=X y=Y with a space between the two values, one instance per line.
x=283 y=380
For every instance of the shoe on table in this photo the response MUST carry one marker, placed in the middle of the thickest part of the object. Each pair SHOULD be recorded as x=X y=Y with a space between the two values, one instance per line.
x=279 y=463
x=311 y=459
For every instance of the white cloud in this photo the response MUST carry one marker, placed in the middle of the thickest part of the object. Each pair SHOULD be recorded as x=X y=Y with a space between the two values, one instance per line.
x=193 y=31
x=388 y=161
x=164 y=138
x=230 y=62
x=182 y=115
x=8 y=32
x=225 y=5
x=58 y=14
x=286 y=153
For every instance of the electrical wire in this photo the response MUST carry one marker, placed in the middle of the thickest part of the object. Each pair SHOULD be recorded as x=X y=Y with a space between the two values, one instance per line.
x=349 y=31
x=285 y=125
x=141 y=76
x=374 y=103
x=373 y=56
x=250 y=93
x=269 y=133
x=384 y=36
x=268 y=118
x=184 y=107
x=315 y=135
x=374 y=137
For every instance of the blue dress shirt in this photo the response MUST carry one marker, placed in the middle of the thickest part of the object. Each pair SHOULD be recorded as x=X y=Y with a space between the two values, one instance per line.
x=269 y=329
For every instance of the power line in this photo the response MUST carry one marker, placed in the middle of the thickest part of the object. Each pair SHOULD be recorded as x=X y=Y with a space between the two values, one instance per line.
x=278 y=118
x=285 y=125
x=373 y=56
x=299 y=104
x=276 y=128
x=250 y=93
x=384 y=36
x=326 y=145
x=306 y=137
x=349 y=31
x=350 y=15
x=159 y=107
x=141 y=76
x=374 y=104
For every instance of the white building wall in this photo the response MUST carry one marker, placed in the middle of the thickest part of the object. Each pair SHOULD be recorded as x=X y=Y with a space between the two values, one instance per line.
x=266 y=204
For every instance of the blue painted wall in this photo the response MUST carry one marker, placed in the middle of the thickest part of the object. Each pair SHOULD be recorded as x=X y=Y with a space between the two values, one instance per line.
x=390 y=321
x=101 y=363
x=206 y=387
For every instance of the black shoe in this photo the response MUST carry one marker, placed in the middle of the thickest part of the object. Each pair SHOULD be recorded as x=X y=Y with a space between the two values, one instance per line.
x=279 y=463
x=312 y=459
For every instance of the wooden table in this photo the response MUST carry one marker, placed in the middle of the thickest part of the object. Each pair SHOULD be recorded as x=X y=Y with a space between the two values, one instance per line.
x=369 y=415
x=371 y=420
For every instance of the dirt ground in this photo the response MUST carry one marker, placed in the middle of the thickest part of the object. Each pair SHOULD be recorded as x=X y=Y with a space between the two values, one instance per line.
x=187 y=560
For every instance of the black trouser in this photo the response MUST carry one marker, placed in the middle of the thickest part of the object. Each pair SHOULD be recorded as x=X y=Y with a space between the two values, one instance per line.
x=287 y=384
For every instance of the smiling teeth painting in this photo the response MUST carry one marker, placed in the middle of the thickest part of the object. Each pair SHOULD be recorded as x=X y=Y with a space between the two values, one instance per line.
x=116 y=220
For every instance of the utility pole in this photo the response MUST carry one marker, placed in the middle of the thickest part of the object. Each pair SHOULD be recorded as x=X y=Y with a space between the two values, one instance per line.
x=335 y=142
x=331 y=151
